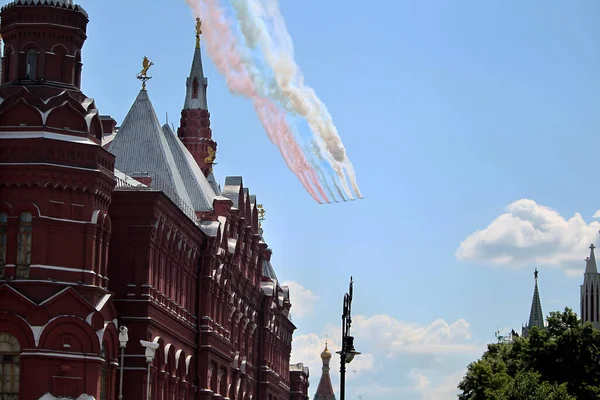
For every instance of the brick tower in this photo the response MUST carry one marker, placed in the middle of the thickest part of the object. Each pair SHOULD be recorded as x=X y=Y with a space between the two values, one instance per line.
x=194 y=127
x=56 y=183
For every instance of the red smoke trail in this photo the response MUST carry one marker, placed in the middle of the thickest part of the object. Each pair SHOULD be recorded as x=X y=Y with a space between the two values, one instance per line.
x=222 y=47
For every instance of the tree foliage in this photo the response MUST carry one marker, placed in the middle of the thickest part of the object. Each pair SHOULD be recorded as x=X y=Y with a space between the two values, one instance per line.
x=561 y=362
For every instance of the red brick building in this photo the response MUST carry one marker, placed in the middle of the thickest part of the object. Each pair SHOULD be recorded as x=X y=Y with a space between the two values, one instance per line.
x=104 y=227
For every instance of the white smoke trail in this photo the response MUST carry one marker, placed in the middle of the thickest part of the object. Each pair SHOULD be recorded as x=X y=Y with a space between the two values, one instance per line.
x=289 y=86
x=223 y=49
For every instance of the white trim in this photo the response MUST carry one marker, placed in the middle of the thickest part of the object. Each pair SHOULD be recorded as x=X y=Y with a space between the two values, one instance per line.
x=102 y=302
x=54 y=165
x=64 y=219
x=60 y=355
x=47 y=135
x=66 y=269
x=37 y=333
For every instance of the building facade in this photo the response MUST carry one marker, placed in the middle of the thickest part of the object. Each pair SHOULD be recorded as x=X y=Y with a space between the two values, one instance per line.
x=104 y=227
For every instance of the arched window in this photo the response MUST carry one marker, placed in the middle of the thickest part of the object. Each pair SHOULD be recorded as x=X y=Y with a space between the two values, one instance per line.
x=78 y=68
x=31 y=64
x=24 y=245
x=9 y=367
x=195 y=89
x=6 y=67
x=104 y=375
x=3 y=222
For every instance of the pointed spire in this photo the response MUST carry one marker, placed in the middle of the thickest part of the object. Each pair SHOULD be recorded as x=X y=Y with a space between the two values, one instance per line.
x=536 y=316
x=195 y=96
x=325 y=388
x=590 y=262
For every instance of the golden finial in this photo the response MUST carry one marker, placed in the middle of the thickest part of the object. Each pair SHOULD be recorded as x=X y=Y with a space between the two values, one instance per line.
x=210 y=159
x=143 y=75
x=198 y=32
x=261 y=214
x=326 y=354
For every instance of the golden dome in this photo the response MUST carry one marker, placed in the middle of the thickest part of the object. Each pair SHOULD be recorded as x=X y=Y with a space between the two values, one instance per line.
x=326 y=354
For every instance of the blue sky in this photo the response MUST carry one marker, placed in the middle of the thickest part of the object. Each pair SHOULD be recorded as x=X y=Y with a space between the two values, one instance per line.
x=450 y=111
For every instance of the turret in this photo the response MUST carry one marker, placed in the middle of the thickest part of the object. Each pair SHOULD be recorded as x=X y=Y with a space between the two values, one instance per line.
x=61 y=179
x=194 y=128
x=43 y=41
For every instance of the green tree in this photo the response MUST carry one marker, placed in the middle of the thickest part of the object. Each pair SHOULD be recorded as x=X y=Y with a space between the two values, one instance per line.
x=561 y=362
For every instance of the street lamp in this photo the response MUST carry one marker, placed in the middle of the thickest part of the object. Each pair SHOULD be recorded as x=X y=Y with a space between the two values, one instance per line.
x=123 y=338
x=150 y=351
x=348 y=352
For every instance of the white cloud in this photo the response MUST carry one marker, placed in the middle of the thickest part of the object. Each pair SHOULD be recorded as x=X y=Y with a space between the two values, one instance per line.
x=447 y=388
x=392 y=336
x=529 y=233
x=302 y=299
x=382 y=337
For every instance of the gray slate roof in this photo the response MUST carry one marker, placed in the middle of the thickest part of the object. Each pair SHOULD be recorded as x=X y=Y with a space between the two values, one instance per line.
x=213 y=183
x=141 y=147
x=268 y=270
x=200 y=191
x=231 y=190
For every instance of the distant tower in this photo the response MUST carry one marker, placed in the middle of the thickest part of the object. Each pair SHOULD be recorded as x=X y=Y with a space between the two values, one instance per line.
x=589 y=291
x=536 y=316
x=325 y=389
x=194 y=127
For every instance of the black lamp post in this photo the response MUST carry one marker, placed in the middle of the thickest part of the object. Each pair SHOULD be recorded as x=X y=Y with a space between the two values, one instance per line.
x=348 y=352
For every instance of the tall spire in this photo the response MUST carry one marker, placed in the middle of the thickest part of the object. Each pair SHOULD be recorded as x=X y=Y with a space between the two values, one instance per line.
x=194 y=128
x=195 y=96
x=590 y=291
x=325 y=388
x=536 y=316
x=590 y=262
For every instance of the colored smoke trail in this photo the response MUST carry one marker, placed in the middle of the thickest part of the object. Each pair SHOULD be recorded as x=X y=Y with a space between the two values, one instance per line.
x=290 y=89
x=222 y=46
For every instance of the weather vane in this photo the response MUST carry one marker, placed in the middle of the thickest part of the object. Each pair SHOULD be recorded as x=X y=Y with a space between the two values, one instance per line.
x=261 y=215
x=143 y=75
x=198 y=32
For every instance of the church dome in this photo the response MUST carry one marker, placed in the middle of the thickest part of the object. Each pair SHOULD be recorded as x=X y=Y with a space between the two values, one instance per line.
x=326 y=354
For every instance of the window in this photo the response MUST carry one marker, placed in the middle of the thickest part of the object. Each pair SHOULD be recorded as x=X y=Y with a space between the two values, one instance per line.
x=104 y=375
x=6 y=66
x=195 y=89
x=24 y=245
x=3 y=221
x=31 y=64
x=9 y=367
x=78 y=67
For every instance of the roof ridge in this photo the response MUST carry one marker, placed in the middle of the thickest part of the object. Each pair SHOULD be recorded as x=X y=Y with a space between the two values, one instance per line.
x=141 y=147
x=197 y=185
